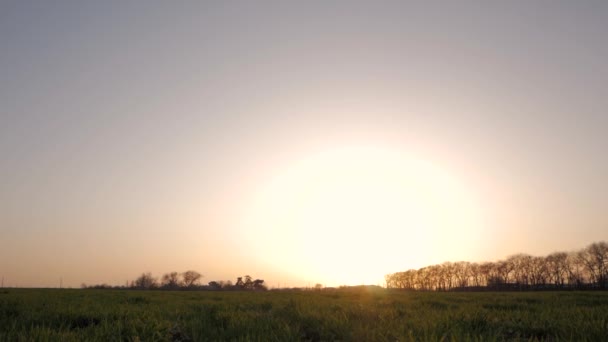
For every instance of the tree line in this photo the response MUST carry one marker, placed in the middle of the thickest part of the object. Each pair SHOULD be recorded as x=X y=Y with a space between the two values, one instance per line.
x=189 y=280
x=583 y=269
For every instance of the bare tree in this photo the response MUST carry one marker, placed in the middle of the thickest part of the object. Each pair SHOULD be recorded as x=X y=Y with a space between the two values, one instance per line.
x=521 y=268
x=440 y=276
x=145 y=281
x=248 y=282
x=587 y=268
x=486 y=272
x=423 y=277
x=461 y=273
x=391 y=281
x=191 y=278
x=557 y=267
x=171 y=280
x=503 y=272
x=576 y=269
x=239 y=282
x=595 y=259
x=476 y=275
x=538 y=271
x=258 y=284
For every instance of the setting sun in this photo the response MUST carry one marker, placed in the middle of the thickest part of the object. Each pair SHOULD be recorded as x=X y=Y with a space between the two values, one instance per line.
x=348 y=215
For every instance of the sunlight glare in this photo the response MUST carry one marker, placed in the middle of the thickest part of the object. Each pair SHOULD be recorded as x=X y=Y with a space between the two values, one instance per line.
x=351 y=215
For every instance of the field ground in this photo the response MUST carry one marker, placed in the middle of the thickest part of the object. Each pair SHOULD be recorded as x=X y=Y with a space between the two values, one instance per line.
x=347 y=315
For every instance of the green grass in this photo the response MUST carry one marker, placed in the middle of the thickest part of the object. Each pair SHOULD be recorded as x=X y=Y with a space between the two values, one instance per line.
x=354 y=315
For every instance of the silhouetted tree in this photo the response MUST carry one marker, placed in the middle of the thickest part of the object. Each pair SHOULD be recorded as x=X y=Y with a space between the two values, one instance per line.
x=576 y=270
x=538 y=271
x=258 y=284
x=557 y=267
x=248 y=283
x=595 y=259
x=583 y=269
x=476 y=276
x=504 y=269
x=486 y=271
x=171 y=280
x=239 y=282
x=191 y=278
x=145 y=281
x=461 y=271
x=214 y=285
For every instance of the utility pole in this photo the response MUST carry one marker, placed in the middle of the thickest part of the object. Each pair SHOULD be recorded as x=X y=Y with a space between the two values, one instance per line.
x=60 y=282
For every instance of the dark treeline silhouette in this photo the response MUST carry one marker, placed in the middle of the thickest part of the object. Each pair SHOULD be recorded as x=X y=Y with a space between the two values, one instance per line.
x=189 y=280
x=584 y=269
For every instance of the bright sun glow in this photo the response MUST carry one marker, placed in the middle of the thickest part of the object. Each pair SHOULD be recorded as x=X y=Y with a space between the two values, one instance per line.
x=352 y=215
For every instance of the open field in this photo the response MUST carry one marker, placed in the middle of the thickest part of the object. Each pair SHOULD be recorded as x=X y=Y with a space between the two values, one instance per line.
x=357 y=315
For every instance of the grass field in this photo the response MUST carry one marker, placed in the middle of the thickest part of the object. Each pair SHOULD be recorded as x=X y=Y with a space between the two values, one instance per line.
x=348 y=315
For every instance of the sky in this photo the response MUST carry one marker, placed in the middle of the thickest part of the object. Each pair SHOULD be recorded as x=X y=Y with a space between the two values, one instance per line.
x=309 y=142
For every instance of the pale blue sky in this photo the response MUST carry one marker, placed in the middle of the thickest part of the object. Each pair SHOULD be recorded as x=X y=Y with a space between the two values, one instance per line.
x=134 y=134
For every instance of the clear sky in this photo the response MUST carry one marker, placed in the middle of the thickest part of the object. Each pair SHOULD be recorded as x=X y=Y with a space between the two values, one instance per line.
x=300 y=142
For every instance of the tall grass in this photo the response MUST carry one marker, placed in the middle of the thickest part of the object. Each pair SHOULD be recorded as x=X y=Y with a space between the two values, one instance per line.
x=356 y=315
